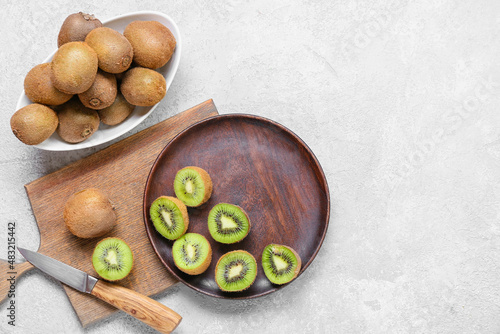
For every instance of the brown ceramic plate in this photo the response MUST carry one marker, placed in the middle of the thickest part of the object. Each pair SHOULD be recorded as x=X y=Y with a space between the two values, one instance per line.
x=259 y=165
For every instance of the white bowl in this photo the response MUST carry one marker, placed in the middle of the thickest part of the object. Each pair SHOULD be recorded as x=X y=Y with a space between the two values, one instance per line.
x=106 y=133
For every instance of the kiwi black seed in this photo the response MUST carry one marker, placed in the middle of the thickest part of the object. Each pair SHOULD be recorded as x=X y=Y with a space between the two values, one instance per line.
x=169 y=217
x=193 y=186
x=143 y=87
x=74 y=67
x=114 y=51
x=228 y=223
x=153 y=43
x=39 y=88
x=117 y=112
x=102 y=93
x=192 y=253
x=281 y=263
x=76 y=27
x=34 y=123
x=235 y=271
x=76 y=122
x=112 y=259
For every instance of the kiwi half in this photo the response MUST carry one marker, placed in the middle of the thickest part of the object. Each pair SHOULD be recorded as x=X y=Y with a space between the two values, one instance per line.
x=235 y=271
x=112 y=259
x=193 y=186
x=228 y=223
x=281 y=263
x=192 y=253
x=169 y=216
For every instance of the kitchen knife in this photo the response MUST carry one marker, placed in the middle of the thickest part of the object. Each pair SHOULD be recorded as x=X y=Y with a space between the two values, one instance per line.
x=139 y=306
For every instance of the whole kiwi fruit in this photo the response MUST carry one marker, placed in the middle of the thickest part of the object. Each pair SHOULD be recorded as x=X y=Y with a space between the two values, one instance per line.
x=33 y=123
x=117 y=112
x=143 y=87
x=113 y=50
x=38 y=87
x=89 y=213
x=74 y=67
x=153 y=43
x=102 y=93
x=76 y=27
x=76 y=122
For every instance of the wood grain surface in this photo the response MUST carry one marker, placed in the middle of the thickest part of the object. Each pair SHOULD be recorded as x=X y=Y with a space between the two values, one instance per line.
x=119 y=170
x=259 y=165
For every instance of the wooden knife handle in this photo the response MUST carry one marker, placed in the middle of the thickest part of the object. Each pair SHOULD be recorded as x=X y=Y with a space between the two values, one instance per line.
x=139 y=306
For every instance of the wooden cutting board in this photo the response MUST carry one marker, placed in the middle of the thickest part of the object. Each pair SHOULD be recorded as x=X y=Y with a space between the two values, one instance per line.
x=119 y=170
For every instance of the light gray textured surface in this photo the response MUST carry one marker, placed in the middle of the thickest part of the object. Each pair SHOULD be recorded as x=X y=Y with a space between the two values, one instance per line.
x=399 y=102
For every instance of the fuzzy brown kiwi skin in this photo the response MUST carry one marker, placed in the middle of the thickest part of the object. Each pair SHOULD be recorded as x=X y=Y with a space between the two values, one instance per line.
x=117 y=112
x=153 y=43
x=102 y=93
x=217 y=267
x=114 y=51
x=89 y=213
x=183 y=209
x=131 y=268
x=38 y=87
x=76 y=122
x=34 y=123
x=143 y=87
x=76 y=27
x=74 y=67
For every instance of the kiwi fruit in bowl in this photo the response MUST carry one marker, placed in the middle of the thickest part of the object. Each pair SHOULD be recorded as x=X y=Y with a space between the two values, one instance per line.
x=34 y=123
x=102 y=93
x=281 y=263
x=116 y=112
x=235 y=271
x=153 y=43
x=38 y=87
x=193 y=186
x=192 y=253
x=169 y=216
x=112 y=259
x=228 y=223
x=74 y=67
x=76 y=122
x=113 y=50
x=89 y=213
x=143 y=87
x=76 y=27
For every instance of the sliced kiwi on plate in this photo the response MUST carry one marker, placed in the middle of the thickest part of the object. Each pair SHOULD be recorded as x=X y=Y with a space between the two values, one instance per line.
x=112 y=259
x=169 y=216
x=192 y=253
x=193 y=186
x=236 y=271
x=228 y=223
x=281 y=263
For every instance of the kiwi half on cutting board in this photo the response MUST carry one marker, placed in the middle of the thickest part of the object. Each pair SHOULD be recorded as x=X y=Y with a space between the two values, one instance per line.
x=112 y=259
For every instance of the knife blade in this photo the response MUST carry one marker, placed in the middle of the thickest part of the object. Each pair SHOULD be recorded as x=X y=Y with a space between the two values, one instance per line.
x=143 y=308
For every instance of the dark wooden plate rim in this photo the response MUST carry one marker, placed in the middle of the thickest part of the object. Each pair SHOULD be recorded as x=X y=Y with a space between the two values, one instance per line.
x=150 y=229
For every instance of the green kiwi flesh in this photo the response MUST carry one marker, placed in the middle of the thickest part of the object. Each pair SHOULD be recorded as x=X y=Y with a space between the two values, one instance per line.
x=169 y=217
x=192 y=253
x=193 y=186
x=228 y=223
x=112 y=259
x=281 y=263
x=235 y=271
